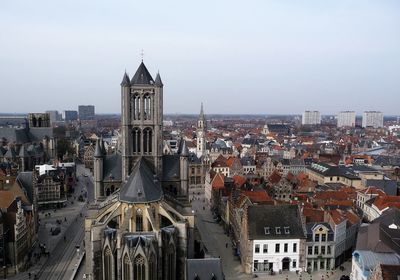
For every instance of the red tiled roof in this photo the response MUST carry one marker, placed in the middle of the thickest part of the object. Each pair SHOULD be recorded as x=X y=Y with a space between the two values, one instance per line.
x=382 y=202
x=239 y=181
x=218 y=181
x=274 y=177
x=257 y=196
x=6 y=198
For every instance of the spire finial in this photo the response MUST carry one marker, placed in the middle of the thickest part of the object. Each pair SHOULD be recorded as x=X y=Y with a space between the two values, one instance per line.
x=142 y=54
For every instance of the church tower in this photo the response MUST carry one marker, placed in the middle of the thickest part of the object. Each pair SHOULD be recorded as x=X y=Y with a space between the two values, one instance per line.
x=142 y=116
x=201 y=134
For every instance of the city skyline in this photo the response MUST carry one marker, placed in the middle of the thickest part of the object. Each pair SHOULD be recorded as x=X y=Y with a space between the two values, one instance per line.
x=283 y=58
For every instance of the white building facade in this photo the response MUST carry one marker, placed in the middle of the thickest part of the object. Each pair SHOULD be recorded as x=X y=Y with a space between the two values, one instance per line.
x=372 y=119
x=276 y=255
x=346 y=119
x=311 y=118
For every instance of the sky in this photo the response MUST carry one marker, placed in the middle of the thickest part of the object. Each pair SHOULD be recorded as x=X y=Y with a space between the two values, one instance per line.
x=237 y=57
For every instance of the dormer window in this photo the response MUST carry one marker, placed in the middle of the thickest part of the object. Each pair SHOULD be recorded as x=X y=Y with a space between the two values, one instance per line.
x=266 y=230
x=278 y=230
x=287 y=230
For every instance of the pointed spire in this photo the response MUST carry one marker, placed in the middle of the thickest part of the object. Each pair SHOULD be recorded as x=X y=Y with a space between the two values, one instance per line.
x=201 y=110
x=97 y=151
x=158 y=81
x=125 y=80
x=103 y=148
x=183 y=149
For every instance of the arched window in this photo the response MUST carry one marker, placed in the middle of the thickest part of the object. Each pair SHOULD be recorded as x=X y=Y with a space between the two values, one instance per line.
x=34 y=122
x=127 y=268
x=135 y=107
x=147 y=140
x=40 y=122
x=147 y=107
x=139 y=220
x=108 y=264
x=136 y=136
x=139 y=268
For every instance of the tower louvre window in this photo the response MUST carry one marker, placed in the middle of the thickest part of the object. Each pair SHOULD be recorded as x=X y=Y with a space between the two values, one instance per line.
x=136 y=136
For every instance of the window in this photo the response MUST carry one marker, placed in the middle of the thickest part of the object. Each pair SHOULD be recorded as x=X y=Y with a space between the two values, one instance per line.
x=139 y=220
x=285 y=248
x=255 y=265
x=328 y=250
x=316 y=250
x=127 y=268
x=147 y=140
x=322 y=264
x=108 y=269
x=316 y=237
x=265 y=248
x=294 y=247
x=323 y=237
x=278 y=230
x=266 y=230
x=136 y=135
x=323 y=250
x=277 y=248
x=257 y=248
x=310 y=250
x=287 y=231
x=294 y=263
x=139 y=272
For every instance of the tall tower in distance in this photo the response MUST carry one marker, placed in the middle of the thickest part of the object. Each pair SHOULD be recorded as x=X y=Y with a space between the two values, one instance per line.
x=141 y=120
x=201 y=134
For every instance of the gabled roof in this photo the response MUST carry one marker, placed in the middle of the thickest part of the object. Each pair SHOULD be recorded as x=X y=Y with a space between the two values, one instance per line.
x=218 y=181
x=277 y=218
x=142 y=185
x=142 y=76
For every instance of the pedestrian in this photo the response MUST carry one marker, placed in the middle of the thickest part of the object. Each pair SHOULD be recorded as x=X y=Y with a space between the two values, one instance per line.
x=29 y=275
x=226 y=245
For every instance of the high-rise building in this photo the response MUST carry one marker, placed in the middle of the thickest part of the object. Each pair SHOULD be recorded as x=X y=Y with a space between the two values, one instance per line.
x=86 y=112
x=69 y=115
x=54 y=116
x=372 y=119
x=311 y=118
x=346 y=119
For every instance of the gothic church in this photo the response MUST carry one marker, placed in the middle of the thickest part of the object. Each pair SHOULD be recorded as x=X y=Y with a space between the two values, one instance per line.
x=141 y=226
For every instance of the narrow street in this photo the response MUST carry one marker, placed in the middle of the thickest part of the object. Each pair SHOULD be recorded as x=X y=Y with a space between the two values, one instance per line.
x=63 y=253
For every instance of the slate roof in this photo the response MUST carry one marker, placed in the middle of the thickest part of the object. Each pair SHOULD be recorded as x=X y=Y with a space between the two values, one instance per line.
x=25 y=135
x=112 y=167
x=370 y=259
x=378 y=236
x=125 y=80
x=142 y=76
x=204 y=269
x=388 y=186
x=158 y=81
x=183 y=149
x=171 y=167
x=142 y=185
x=25 y=181
x=97 y=151
x=274 y=216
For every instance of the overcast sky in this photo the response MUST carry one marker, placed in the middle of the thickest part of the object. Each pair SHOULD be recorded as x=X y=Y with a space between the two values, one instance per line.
x=264 y=57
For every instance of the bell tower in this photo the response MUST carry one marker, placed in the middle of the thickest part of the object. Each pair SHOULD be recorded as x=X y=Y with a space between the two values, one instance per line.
x=141 y=120
x=201 y=134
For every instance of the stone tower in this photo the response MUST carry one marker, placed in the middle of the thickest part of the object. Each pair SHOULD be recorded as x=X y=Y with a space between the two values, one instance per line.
x=201 y=134
x=98 y=170
x=142 y=115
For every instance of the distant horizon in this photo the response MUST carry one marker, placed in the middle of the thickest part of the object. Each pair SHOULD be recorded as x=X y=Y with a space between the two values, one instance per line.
x=267 y=57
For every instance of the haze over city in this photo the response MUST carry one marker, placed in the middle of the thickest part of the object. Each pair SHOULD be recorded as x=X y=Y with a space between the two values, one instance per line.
x=264 y=57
